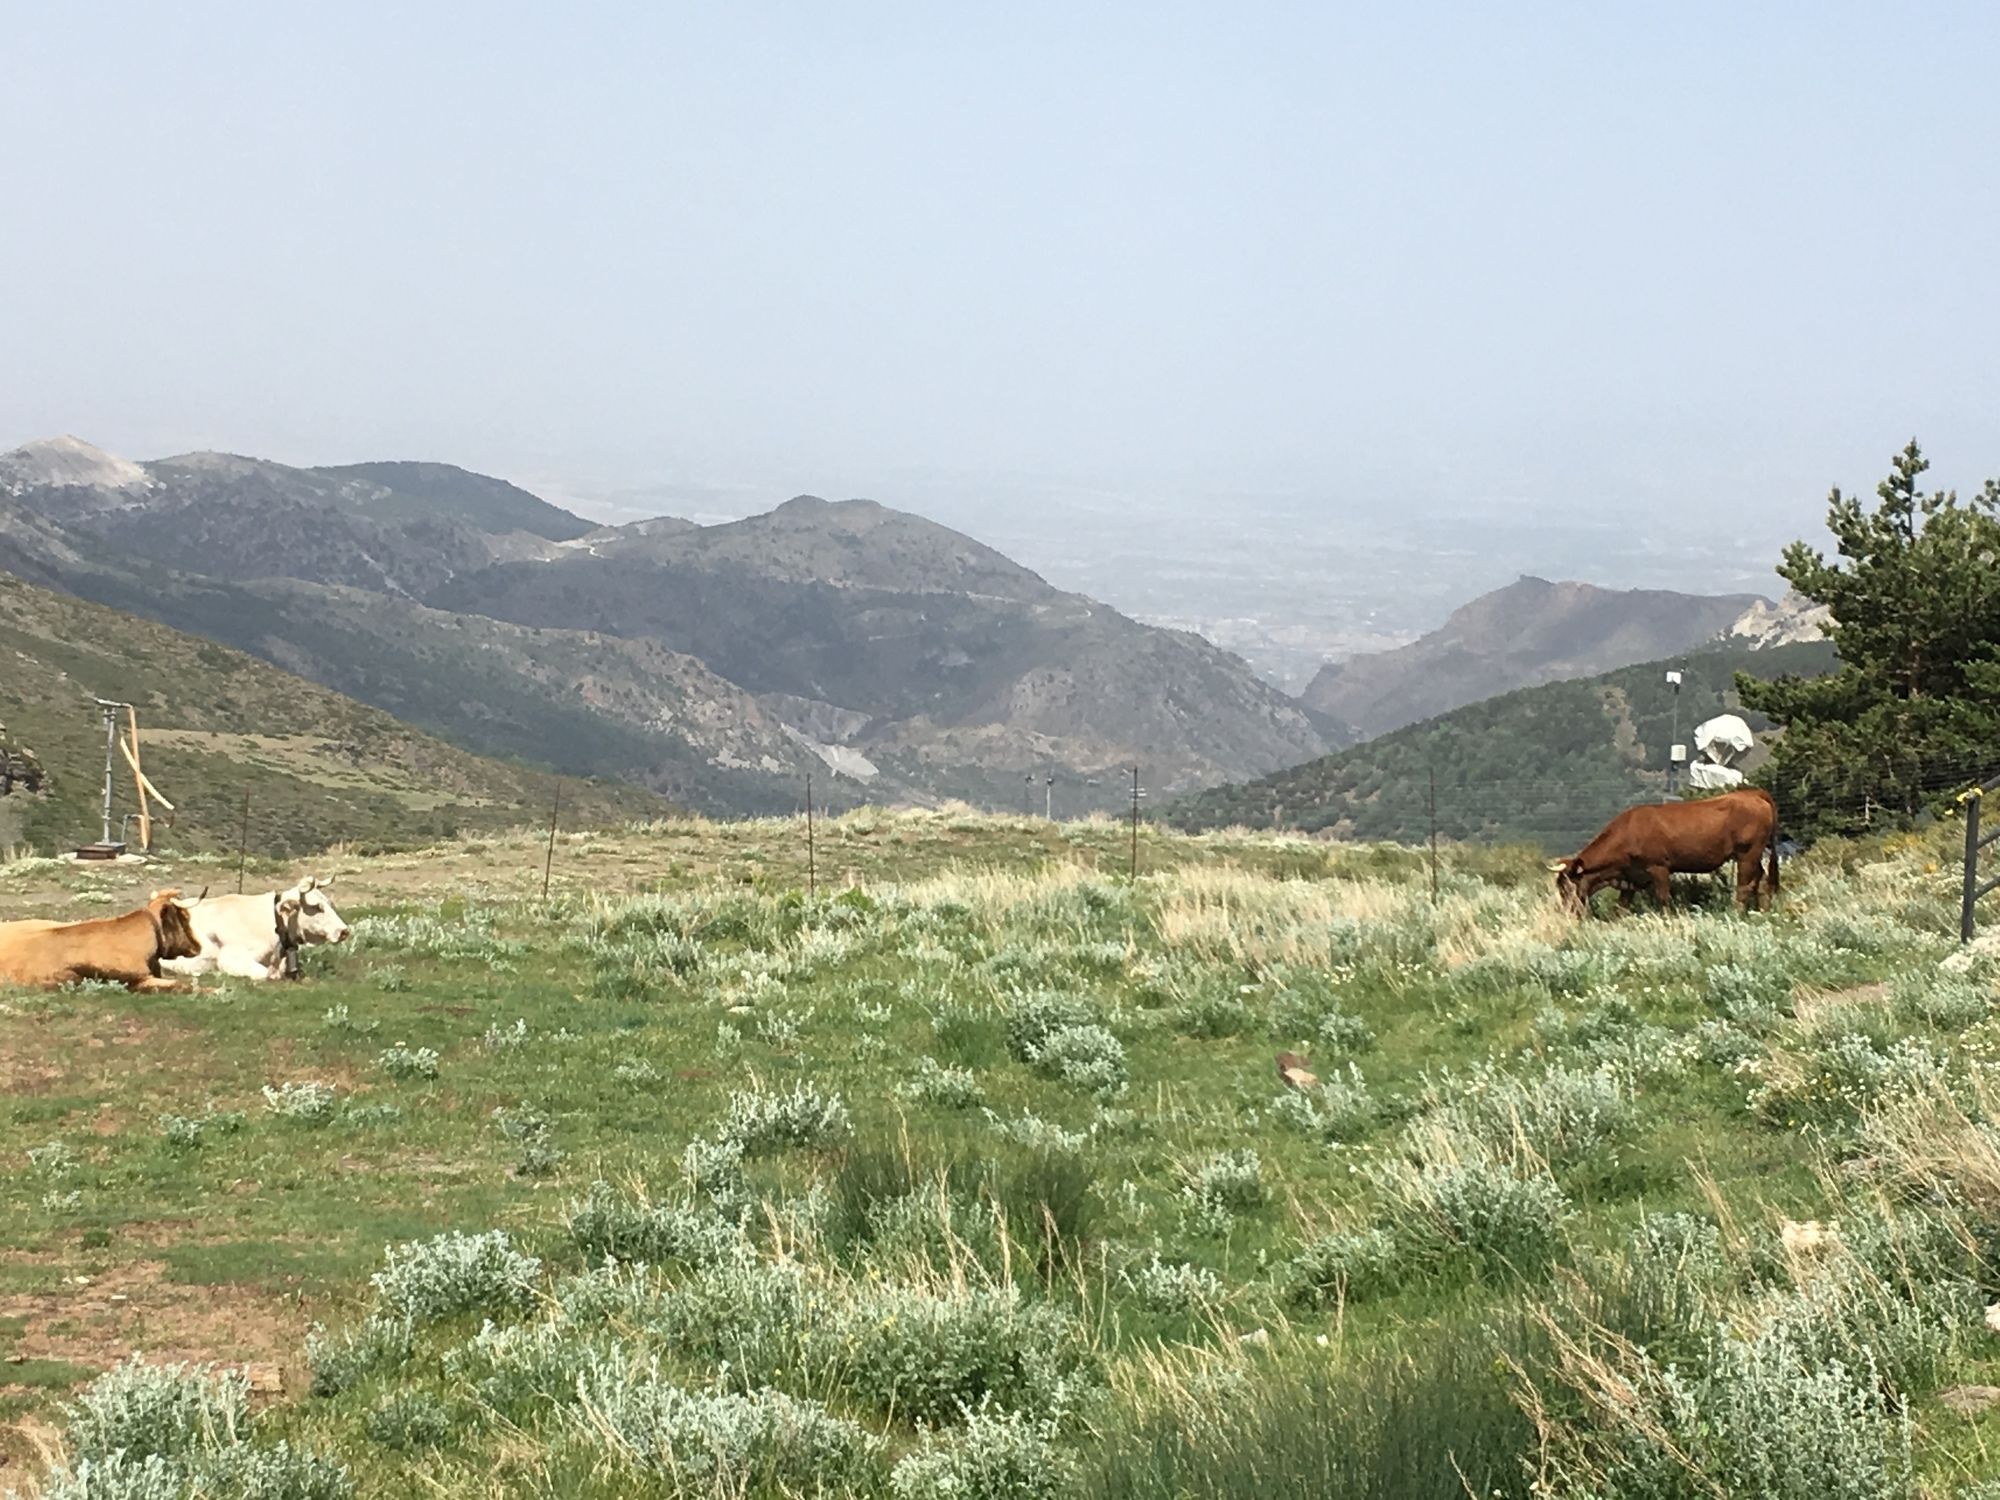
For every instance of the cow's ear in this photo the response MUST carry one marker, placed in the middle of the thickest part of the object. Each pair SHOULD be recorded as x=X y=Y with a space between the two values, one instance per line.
x=288 y=906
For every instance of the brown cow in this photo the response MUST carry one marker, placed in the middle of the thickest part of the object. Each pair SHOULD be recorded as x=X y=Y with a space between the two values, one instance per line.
x=123 y=950
x=1653 y=843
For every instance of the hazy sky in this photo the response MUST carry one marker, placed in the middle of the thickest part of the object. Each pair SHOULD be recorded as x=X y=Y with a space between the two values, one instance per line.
x=1602 y=255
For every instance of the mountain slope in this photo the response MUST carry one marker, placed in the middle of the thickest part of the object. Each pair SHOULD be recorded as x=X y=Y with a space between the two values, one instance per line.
x=942 y=658
x=409 y=491
x=397 y=528
x=720 y=663
x=1528 y=632
x=215 y=723
x=1545 y=764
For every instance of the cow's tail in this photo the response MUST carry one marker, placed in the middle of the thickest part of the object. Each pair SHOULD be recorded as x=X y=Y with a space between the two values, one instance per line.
x=1774 y=864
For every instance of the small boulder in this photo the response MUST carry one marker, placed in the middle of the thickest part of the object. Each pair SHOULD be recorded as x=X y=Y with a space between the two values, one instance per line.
x=1292 y=1072
x=1970 y=1400
x=265 y=1380
x=1961 y=959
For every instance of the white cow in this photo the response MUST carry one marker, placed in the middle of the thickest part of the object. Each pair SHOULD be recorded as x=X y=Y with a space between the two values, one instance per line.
x=259 y=937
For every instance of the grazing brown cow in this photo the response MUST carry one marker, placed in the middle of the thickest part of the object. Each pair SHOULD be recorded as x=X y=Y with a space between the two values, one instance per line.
x=123 y=950
x=1655 y=842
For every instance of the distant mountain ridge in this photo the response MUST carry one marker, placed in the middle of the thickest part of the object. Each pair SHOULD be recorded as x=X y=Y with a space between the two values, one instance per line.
x=1529 y=632
x=1546 y=764
x=898 y=658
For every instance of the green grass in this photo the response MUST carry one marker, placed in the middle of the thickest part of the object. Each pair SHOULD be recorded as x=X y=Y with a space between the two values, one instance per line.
x=678 y=964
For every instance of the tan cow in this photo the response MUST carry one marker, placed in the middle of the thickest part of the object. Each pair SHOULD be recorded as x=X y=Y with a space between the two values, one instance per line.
x=123 y=950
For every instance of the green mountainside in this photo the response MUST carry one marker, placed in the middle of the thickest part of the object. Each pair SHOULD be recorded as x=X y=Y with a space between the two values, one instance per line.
x=1546 y=765
x=320 y=768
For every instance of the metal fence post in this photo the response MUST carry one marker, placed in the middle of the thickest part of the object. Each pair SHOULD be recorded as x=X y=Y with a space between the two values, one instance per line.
x=1972 y=800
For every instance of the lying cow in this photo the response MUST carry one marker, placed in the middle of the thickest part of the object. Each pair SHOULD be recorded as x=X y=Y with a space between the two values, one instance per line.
x=125 y=950
x=259 y=937
x=1650 y=844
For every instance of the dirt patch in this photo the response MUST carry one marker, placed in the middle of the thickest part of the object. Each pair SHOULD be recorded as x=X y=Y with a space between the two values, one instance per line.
x=1809 y=1005
x=21 y=1074
x=31 y=1056
x=98 y=1320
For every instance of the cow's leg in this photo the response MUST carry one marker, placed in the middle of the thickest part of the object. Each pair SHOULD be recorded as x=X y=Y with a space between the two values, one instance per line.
x=1663 y=886
x=1749 y=878
x=153 y=984
x=241 y=963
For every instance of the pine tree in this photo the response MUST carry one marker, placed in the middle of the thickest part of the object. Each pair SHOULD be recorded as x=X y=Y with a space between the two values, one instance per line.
x=1913 y=714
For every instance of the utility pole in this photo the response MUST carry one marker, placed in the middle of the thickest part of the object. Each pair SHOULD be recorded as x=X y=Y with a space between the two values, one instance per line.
x=549 y=859
x=1676 y=751
x=1136 y=795
x=1433 y=804
x=812 y=867
x=243 y=842
x=110 y=711
x=1049 y=798
x=1028 y=795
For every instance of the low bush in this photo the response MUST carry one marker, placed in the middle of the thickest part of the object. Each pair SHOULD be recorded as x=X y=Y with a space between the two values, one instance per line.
x=1460 y=1208
x=308 y=1102
x=452 y=1273
x=340 y=1362
x=992 y=1456
x=947 y=1087
x=408 y=1421
x=1085 y=1057
x=707 y=1443
x=1031 y=1019
x=1344 y=1265
x=409 y=1062
x=761 y=1122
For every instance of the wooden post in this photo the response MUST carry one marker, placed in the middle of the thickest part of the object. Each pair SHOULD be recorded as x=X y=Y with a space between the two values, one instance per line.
x=549 y=859
x=812 y=866
x=1433 y=805
x=1134 y=871
x=139 y=781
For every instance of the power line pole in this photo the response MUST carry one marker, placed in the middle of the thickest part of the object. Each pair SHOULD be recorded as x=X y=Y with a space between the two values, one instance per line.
x=110 y=711
x=1136 y=795
x=812 y=867
x=549 y=859
x=1049 y=798
x=243 y=842
x=1675 y=750
x=1433 y=806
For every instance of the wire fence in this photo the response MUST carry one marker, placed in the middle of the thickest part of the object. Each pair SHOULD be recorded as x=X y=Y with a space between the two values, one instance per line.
x=1560 y=813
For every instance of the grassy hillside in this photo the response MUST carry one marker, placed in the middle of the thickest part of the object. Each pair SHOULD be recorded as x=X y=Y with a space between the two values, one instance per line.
x=1545 y=764
x=320 y=768
x=974 y=1176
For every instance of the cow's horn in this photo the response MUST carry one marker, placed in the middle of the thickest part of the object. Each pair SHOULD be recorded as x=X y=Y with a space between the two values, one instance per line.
x=1558 y=865
x=202 y=897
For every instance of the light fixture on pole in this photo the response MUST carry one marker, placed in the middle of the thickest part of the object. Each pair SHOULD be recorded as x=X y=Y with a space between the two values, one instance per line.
x=1676 y=751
